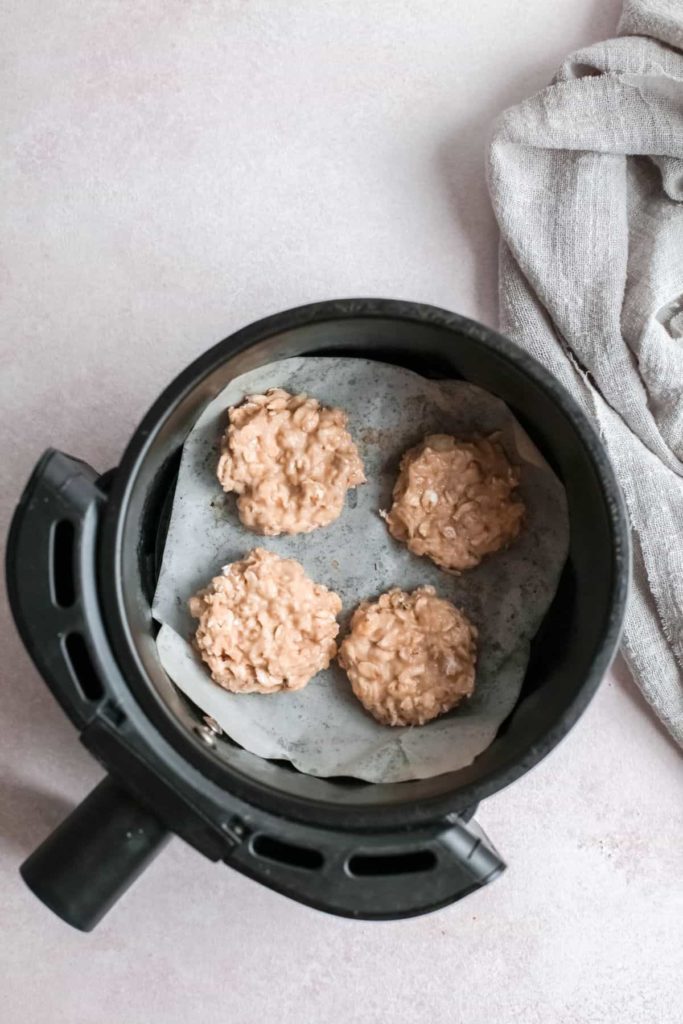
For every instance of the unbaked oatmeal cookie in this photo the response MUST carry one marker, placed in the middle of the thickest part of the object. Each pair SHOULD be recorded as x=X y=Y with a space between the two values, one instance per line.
x=264 y=625
x=409 y=657
x=455 y=501
x=290 y=460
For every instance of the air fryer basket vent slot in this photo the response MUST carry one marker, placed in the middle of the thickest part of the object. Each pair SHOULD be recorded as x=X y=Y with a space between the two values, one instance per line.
x=82 y=667
x=363 y=865
x=287 y=853
x=63 y=582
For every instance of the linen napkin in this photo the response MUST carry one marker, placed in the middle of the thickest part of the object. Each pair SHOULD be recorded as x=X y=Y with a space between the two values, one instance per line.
x=586 y=179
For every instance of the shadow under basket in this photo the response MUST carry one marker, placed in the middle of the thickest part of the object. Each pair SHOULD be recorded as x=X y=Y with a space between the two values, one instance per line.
x=82 y=559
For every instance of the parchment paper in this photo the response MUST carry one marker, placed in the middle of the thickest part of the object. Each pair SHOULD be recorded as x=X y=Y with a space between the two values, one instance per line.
x=322 y=729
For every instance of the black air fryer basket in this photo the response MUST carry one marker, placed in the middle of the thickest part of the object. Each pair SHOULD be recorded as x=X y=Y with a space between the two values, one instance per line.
x=83 y=555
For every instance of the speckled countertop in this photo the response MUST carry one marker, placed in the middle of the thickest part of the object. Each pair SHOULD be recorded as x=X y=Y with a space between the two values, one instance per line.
x=173 y=169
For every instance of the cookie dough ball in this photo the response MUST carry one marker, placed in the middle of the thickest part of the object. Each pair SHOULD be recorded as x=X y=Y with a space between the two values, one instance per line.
x=290 y=460
x=454 y=501
x=264 y=625
x=410 y=657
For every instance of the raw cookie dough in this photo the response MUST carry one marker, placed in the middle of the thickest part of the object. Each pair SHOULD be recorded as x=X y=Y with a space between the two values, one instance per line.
x=410 y=657
x=264 y=625
x=454 y=501
x=290 y=460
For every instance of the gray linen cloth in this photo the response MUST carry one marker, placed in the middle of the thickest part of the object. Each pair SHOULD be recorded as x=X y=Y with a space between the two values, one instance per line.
x=586 y=179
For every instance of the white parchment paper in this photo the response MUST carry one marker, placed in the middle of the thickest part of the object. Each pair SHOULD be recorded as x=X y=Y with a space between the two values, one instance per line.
x=322 y=729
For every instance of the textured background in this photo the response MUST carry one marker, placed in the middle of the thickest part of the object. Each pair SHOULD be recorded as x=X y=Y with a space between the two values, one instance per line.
x=172 y=169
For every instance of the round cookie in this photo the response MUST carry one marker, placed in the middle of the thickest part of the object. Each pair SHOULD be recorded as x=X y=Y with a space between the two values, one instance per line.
x=264 y=625
x=454 y=501
x=290 y=460
x=409 y=657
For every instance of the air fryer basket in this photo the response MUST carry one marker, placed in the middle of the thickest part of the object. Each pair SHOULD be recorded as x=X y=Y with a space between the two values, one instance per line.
x=339 y=844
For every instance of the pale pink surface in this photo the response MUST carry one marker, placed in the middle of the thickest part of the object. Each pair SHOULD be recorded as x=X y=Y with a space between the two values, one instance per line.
x=171 y=171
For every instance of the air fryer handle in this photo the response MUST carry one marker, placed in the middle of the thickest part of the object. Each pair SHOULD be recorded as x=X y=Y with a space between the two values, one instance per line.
x=93 y=857
x=89 y=861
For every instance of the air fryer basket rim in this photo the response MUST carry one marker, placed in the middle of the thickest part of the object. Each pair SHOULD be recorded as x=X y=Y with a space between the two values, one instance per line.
x=111 y=555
